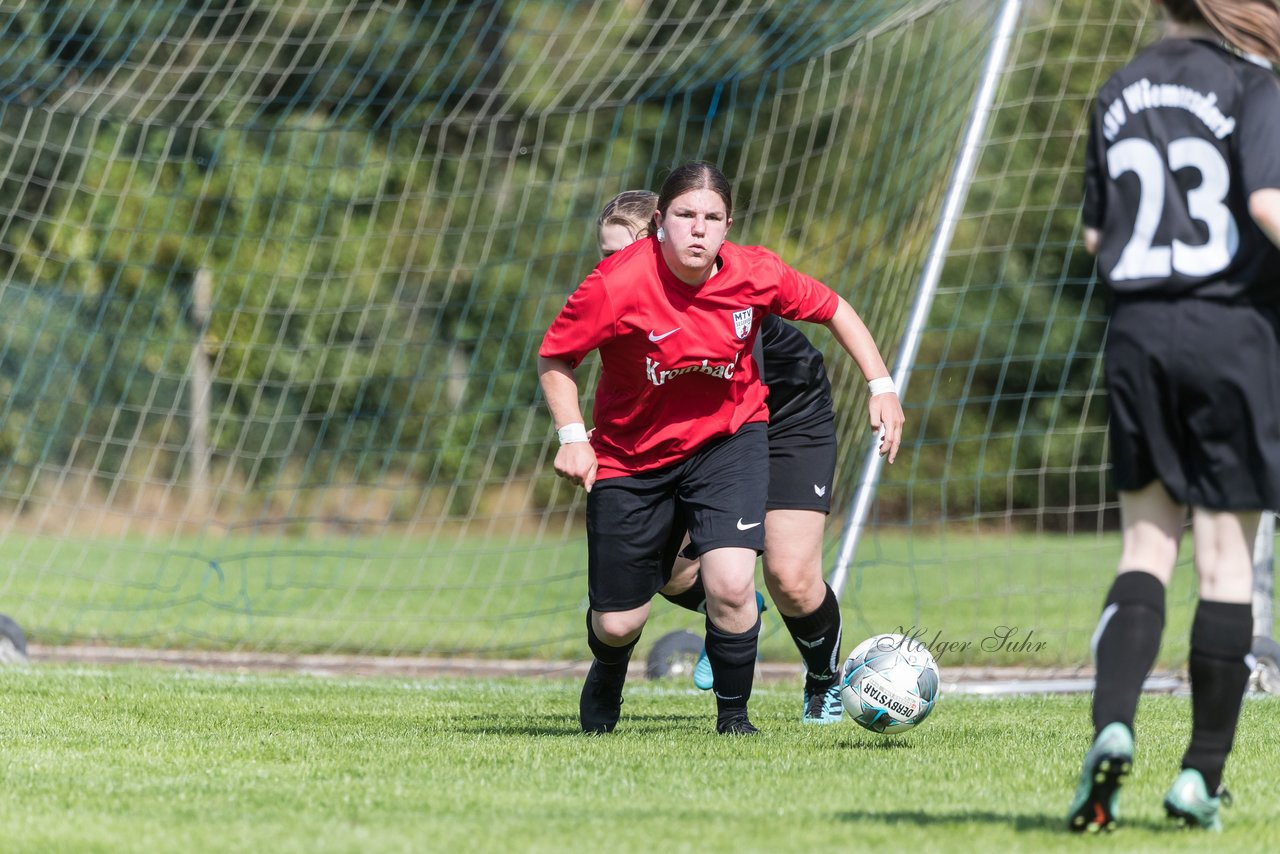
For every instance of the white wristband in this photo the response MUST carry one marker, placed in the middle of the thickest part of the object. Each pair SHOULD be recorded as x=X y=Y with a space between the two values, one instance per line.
x=884 y=385
x=572 y=433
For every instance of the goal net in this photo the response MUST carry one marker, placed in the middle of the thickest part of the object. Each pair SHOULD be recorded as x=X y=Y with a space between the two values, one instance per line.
x=275 y=275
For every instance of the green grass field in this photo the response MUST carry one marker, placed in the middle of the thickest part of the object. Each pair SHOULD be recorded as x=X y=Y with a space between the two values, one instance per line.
x=503 y=596
x=131 y=759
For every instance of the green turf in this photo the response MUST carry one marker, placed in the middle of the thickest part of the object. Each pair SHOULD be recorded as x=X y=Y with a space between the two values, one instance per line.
x=128 y=759
x=504 y=596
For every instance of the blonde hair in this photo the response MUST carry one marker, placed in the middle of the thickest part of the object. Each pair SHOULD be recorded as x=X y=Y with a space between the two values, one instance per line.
x=1251 y=26
x=632 y=209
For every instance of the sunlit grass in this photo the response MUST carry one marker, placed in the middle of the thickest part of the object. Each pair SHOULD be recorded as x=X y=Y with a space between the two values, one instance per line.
x=129 y=759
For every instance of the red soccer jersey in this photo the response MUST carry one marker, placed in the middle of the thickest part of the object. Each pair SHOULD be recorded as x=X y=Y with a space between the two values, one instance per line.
x=677 y=366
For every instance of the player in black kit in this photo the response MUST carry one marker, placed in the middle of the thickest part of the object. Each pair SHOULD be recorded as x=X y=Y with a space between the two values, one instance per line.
x=802 y=459
x=1182 y=210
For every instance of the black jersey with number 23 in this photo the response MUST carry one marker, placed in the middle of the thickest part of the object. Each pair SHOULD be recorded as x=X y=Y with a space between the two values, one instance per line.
x=1178 y=140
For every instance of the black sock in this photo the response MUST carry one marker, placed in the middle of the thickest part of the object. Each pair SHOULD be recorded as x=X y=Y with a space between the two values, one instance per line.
x=1221 y=637
x=817 y=636
x=733 y=661
x=613 y=659
x=693 y=599
x=1125 y=646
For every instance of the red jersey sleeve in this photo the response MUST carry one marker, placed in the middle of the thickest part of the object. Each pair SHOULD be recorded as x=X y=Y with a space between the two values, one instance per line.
x=587 y=320
x=801 y=297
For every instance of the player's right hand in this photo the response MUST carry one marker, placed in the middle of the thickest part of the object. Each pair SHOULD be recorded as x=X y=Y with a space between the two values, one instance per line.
x=576 y=462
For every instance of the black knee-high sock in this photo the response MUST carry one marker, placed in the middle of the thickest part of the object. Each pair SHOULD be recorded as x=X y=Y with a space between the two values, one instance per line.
x=1221 y=637
x=817 y=636
x=733 y=661
x=693 y=599
x=613 y=659
x=1125 y=646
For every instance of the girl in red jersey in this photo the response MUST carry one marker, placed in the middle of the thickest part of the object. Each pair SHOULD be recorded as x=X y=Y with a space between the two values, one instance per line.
x=1182 y=210
x=679 y=441
x=802 y=460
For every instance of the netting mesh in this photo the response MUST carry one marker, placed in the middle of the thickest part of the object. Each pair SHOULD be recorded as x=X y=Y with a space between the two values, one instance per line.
x=274 y=276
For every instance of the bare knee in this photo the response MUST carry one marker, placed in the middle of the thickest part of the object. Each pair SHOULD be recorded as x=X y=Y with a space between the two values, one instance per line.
x=793 y=560
x=617 y=628
x=735 y=593
x=796 y=588
x=728 y=574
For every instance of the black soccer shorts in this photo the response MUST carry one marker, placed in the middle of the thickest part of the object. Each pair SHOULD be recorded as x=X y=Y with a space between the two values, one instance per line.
x=1193 y=389
x=802 y=465
x=635 y=524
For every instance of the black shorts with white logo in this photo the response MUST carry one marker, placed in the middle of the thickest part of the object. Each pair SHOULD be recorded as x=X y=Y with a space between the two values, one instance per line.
x=802 y=464
x=1194 y=395
x=635 y=524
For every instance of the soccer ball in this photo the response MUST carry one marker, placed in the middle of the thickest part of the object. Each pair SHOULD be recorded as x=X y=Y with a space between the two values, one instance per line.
x=889 y=683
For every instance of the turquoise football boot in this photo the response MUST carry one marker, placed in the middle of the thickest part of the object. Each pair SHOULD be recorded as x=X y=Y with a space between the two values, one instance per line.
x=1189 y=803
x=1106 y=766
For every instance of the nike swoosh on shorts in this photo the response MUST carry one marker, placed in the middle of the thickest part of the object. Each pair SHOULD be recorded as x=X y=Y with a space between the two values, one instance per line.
x=744 y=527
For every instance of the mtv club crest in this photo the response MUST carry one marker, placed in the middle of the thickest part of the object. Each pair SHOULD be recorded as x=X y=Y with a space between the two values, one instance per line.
x=742 y=322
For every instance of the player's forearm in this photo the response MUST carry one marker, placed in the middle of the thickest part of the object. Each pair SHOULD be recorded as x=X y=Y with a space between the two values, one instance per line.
x=560 y=388
x=856 y=339
x=1264 y=207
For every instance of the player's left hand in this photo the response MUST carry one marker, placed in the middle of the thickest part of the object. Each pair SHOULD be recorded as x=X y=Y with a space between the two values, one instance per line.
x=886 y=416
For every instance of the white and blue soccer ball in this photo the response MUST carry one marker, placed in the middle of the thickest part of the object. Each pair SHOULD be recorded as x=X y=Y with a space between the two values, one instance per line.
x=889 y=683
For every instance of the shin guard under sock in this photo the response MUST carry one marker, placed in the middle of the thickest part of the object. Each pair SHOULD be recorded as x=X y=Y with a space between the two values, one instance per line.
x=733 y=661
x=1221 y=638
x=817 y=636
x=1125 y=646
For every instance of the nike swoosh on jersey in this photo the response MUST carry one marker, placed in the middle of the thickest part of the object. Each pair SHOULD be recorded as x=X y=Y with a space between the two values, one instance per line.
x=820 y=490
x=655 y=337
x=743 y=527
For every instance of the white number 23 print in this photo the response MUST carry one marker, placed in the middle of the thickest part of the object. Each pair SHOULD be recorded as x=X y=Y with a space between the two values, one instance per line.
x=1143 y=260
